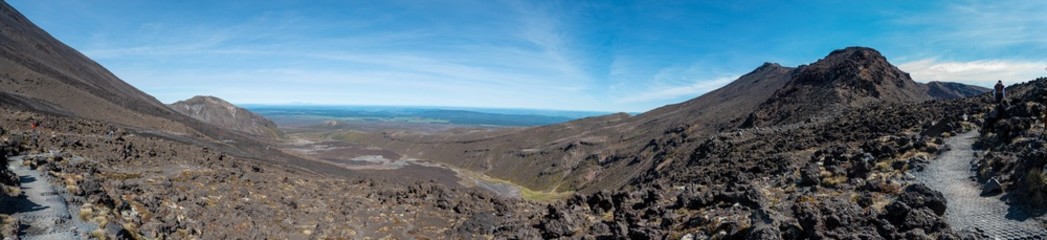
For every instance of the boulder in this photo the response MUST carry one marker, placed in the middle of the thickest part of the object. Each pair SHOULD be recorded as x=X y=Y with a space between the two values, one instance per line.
x=810 y=175
x=556 y=224
x=919 y=195
x=924 y=219
x=480 y=223
x=117 y=231
x=992 y=186
x=863 y=164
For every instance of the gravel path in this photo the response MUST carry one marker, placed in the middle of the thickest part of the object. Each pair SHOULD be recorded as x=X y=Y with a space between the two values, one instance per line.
x=951 y=174
x=42 y=210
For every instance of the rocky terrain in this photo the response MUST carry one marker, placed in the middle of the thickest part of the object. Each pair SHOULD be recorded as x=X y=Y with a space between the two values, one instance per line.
x=225 y=115
x=1014 y=143
x=137 y=185
x=830 y=150
x=851 y=176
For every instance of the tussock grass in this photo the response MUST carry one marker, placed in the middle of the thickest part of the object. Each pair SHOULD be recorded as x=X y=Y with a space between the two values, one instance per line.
x=7 y=225
x=121 y=175
x=98 y=234
x=86 y=212
x=833 y=181
x=12 y=191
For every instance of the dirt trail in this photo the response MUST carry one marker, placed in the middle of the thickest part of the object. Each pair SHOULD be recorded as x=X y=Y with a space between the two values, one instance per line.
x=967 y=210
x=42 y=210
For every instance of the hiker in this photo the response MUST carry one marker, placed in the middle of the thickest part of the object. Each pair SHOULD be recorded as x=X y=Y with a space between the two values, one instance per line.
x=998 y=92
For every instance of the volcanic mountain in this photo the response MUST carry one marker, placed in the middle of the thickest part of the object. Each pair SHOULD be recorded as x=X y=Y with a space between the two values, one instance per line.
x=223 y=114
x=608 y=152
x=951 y=90
x=40 y=73
x=850 y=77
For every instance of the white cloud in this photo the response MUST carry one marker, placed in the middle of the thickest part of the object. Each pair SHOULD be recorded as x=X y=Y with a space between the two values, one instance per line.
x=694 y=89
x=980 y=72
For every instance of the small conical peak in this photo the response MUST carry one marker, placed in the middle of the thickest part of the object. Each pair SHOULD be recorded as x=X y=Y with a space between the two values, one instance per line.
x=769 y=65
x=213 y=99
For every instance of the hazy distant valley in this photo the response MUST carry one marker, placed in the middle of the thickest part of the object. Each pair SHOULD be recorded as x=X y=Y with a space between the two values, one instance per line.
x=412 y=117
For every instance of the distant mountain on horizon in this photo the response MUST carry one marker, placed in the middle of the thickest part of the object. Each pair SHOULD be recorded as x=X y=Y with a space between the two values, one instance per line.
x=223 y=114
x=953 y=90
x=573 y=114
x=436 y=115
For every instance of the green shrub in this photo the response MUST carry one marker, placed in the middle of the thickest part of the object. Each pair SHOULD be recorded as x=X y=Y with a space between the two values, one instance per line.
x=1037 y=181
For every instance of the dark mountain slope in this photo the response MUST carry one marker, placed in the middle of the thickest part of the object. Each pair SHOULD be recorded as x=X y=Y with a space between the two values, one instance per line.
x=225 y=115
x=37 y=66
x=40 y=73
x=850 y=77
x=585 y=154
x=951 y=90
x=723 y=104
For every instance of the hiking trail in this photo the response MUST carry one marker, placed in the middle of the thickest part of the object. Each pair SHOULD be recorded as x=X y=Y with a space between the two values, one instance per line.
x=967 y=210
x=41 y=209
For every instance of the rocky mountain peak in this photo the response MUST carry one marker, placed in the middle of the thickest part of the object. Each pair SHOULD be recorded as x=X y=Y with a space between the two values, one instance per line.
x=855 y=67
x=856 y=52
x=849 y=77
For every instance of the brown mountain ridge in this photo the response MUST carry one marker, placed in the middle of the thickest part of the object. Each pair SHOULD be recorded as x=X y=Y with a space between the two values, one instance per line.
x=225 y=115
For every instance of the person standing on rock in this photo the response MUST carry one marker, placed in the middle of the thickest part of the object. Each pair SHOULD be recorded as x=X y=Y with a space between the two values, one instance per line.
x=998 y=92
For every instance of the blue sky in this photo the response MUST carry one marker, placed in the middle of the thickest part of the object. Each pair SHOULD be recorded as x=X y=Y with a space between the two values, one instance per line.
x=572 y=55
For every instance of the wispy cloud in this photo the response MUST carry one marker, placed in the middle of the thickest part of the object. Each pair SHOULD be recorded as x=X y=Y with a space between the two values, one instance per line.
x=978 y=27
x=622 y=56
x=981 y=72
x=525 y=56
x=695 y=89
